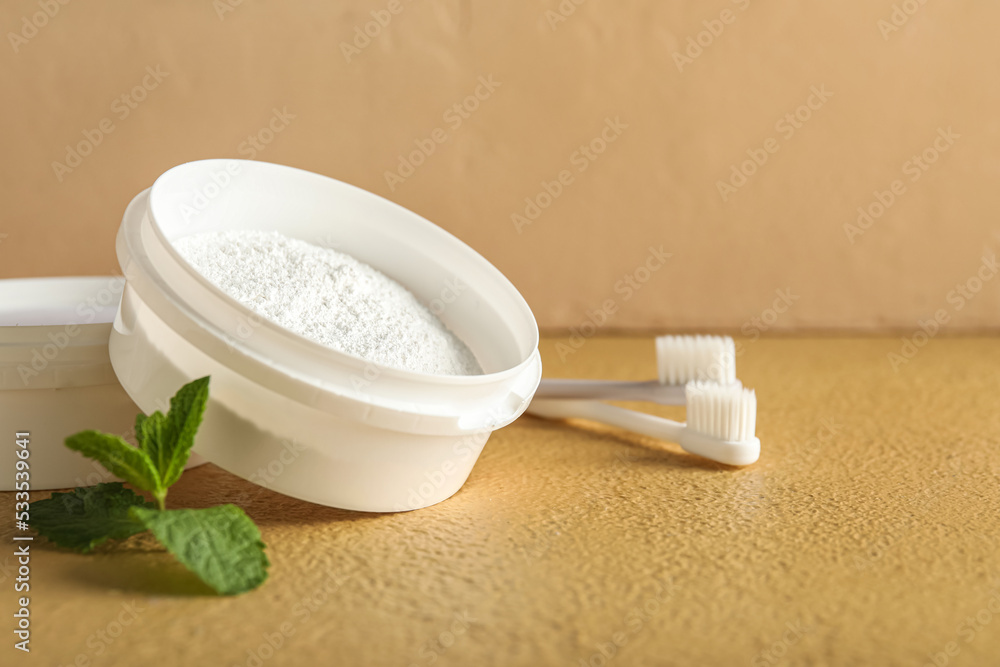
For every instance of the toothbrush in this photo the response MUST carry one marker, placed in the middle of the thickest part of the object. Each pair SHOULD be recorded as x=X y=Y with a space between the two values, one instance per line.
x=680 y=359
x=721 y=420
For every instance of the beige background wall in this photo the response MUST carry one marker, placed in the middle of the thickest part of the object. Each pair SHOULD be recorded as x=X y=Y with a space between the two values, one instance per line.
x=226 y=67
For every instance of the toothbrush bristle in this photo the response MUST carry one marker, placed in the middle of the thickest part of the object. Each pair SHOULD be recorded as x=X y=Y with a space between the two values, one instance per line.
x=727 y=412
x=683 y=359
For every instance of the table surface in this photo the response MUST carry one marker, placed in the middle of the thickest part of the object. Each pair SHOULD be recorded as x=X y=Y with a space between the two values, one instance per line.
x=866 y=534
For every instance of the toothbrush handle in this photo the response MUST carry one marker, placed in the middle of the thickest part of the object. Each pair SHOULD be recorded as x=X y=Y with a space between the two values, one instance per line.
x=610 y=390
x=730 y=453
x=639 y=422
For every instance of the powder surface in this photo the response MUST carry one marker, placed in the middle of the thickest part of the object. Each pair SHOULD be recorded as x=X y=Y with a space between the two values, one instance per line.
x=329 y=297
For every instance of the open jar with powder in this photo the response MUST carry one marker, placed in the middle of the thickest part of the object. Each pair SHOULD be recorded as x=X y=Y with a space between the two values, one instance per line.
x=230 y=273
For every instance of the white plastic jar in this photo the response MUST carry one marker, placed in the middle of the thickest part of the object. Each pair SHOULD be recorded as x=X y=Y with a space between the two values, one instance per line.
x=289 y=413
x=56 y=378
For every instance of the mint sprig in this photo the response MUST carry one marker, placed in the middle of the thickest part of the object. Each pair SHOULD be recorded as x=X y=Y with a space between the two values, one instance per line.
x=87 y=517
x=221 y=545
x=120 y=458
x=165 y=443
x=167 y=439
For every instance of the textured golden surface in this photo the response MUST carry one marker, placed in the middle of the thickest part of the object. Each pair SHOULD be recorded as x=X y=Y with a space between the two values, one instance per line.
x=866 y=534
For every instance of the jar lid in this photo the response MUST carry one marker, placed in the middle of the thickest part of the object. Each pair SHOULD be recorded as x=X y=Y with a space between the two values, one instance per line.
x=54 y=331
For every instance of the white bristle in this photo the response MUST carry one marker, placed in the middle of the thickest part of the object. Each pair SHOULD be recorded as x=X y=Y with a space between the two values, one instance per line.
x=683 y=359
x=727 y=412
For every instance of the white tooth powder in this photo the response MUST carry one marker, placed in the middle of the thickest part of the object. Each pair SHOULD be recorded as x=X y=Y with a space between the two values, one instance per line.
x=329 y=297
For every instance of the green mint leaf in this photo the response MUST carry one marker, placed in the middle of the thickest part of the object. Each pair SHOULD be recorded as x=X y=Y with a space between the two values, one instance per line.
x=168 y=439
x=151 y=432
x=86 y=517
x=221 y=545
x=119 y=457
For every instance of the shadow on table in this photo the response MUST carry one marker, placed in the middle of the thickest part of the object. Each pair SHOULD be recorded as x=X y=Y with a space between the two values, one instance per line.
x=209 y=485
x=134 y=568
